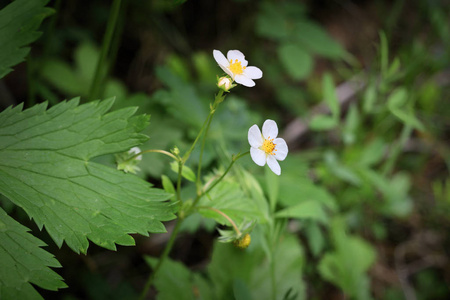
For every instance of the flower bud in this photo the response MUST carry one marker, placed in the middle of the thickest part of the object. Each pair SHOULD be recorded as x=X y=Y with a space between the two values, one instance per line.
x=225 y=83
x=175 y=150
x=243 y=242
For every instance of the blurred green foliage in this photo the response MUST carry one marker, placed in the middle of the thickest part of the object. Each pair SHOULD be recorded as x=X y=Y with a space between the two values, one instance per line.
x=368 y=173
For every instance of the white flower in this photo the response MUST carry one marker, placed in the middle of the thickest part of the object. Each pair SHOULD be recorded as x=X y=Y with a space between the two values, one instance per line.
x=134 y=151
x=235 y=65
x=266 y=147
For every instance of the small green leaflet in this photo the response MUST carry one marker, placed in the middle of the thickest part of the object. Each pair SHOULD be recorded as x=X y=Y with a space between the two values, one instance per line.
x=18 y=23
x=45 y=169
x=23 y=262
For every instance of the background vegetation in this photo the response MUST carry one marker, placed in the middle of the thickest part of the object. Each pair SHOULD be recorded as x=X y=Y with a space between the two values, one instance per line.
x=360 y=91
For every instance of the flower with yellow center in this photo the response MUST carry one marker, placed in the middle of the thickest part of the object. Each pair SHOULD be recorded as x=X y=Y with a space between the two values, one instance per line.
x=265 y=147
x=235 y=65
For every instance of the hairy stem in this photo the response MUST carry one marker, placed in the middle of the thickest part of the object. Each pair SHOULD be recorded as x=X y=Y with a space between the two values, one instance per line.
x=153 y=151
x=218 y=99
x=225 y=216
x=180 y=170
x=233 y=160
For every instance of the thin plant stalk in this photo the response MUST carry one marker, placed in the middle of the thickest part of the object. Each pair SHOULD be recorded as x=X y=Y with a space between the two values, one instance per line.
x=219 y=98
x=233 y=160
x=238 y=232
x=153 y=151
x=100 y=70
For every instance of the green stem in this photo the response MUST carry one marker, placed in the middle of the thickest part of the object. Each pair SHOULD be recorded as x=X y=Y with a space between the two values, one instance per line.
x=217 y=100
x=233 y=160
x=180 y=170
x=238 y=232
x=199 y=170
x=163 y=257
x=100 y=71
x=212 y=110
x=153 y=151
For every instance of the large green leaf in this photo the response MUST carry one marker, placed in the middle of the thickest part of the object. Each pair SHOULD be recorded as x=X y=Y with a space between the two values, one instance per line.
x=18 y=23
x=23 y=262
x=45 y=169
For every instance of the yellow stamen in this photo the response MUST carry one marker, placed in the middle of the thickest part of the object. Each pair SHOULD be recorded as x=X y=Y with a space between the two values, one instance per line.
x=236 y=67
x=268 y=146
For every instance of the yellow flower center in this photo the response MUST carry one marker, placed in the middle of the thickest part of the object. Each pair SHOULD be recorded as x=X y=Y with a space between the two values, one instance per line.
x=268 y=146
x=236 y=67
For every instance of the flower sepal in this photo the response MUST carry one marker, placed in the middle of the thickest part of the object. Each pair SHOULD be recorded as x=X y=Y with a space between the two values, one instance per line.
x=241 y=239
x=225 y=83
x=128 y=161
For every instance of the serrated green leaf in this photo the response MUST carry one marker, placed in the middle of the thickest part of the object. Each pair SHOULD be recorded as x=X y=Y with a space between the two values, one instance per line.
x=23 y=262
x=231 y=200
x=18 y=23
x=45 y=169
x=183 y=101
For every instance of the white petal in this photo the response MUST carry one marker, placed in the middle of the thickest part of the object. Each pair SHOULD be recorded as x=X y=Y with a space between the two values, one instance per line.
x=270 y=129
x=241 y=79
x=274 y=165
x=255 y=138
x=236 y=54
x=258 y=156
x=228 y=71
x=281 y=149
x=221 y=59
x=253 y=72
